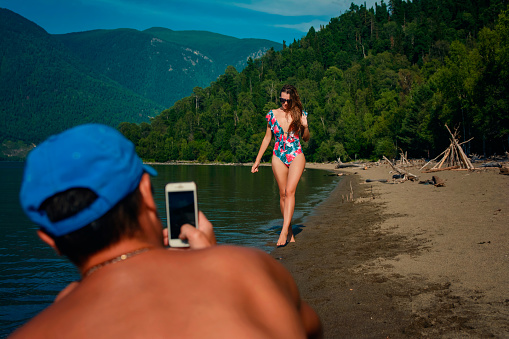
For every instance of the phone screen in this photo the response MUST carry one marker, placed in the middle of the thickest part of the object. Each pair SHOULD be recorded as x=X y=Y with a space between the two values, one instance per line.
x=181 y=208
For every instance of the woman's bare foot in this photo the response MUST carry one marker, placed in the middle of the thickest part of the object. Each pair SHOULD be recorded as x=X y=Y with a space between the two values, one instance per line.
x=285 y=237
x=290 y=235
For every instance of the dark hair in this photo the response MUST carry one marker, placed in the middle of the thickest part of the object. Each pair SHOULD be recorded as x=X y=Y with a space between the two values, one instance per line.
x=119 y=222
x=295 y=108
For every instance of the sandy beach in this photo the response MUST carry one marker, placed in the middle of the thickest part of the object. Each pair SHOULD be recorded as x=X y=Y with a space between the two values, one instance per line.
x=407 y=260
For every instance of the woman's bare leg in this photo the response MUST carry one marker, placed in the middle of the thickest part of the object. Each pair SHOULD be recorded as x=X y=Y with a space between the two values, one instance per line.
x=294 y=173
x=281 y=174
x=287 y=179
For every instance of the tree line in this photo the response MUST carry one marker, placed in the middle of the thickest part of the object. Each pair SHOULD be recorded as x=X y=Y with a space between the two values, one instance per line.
x=373 y=81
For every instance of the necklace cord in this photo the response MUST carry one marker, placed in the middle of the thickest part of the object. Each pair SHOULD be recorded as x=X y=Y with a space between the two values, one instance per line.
x=121 y=257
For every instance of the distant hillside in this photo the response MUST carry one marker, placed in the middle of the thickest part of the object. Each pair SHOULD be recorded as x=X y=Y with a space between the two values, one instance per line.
x=51 y=82
x=45 y=88
x=232 y=51
x=375 y=82
x=161 y=64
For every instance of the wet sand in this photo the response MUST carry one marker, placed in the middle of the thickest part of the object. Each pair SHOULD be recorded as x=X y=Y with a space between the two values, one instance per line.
x=407 y=260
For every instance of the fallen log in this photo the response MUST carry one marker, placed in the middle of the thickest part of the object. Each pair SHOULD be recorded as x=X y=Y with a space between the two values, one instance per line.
x=380 y=180
x=491 y=164
x=440 y=169
x=438 y=182
x=407 y=175
x=426 y=182
x=348 y=165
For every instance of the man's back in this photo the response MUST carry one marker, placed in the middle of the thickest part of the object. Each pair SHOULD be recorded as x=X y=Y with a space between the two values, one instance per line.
x=92 y=197
x=222 y=291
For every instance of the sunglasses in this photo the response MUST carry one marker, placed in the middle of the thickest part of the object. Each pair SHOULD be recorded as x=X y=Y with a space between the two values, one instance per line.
x=285 y=100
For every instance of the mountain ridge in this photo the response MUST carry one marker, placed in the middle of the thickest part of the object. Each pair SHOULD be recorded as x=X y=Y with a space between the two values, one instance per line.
x=45 y=89
x=202 y=60
x=50 y=82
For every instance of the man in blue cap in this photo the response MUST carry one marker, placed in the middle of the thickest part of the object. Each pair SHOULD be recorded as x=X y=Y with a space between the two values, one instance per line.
x=91 y=195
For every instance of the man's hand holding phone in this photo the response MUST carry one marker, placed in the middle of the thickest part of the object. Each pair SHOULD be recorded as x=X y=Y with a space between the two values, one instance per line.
x=184 y=220
x=197 y=238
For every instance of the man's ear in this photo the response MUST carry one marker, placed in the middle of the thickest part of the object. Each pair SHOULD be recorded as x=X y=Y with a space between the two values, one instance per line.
x=48 y=240
x=146 y=191
x=148 y=217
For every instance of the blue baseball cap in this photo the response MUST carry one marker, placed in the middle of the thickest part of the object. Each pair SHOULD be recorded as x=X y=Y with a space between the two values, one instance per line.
x=90 y=156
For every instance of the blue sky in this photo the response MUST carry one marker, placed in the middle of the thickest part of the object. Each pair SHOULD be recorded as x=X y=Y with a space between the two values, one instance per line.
x=264 y=19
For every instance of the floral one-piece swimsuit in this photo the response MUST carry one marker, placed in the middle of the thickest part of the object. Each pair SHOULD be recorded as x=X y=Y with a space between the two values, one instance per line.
x=287 y=145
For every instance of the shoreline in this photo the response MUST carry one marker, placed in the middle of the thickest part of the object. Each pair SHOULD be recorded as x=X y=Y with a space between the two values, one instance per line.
x=405 y=260
x=312 y=165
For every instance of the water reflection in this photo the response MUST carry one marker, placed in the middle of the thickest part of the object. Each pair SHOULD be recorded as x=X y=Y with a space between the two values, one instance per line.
x=243 y=207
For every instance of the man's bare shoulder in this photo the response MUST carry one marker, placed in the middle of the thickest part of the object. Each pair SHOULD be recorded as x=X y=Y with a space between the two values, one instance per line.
x=235 y=271
x=248 y=261
x=237 y=254
x=252 y=263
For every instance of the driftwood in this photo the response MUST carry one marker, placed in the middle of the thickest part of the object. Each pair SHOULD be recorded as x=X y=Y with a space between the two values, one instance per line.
x=456 y=156
x=404 y=159
x=491 y=164
x=438 y=182
x=372 y=180
x=504 y=170
x=453 y=157
x=348 y=165
x=407 y=175
x=441 y=169
x=426 y=164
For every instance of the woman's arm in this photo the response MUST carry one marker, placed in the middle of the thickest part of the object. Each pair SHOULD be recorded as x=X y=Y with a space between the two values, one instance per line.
x=263 y=147
x=304 y=131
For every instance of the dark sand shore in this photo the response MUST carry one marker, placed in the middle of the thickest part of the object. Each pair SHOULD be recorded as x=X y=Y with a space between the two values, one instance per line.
x=407 y=260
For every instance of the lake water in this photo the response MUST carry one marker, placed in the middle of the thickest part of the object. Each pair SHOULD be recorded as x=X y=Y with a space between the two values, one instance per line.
x=243 y=207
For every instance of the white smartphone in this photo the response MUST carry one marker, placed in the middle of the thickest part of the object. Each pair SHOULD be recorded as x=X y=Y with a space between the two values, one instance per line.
x=181 y=208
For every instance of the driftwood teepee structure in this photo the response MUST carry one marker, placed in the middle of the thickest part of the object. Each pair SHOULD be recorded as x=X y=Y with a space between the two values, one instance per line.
x=453 y=156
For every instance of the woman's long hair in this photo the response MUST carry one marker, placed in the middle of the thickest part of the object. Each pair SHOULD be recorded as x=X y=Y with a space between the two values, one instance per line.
x=295 y=107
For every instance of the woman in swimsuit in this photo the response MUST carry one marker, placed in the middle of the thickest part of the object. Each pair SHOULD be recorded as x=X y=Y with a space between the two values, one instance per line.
x=288 y=123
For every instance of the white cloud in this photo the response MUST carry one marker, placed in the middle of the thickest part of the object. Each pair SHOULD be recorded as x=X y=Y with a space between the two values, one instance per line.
x=330 y=8
x=305 y=26
x=133 y=6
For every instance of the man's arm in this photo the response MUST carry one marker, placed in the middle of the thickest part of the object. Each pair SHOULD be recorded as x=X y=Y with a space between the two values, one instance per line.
x=311 y=321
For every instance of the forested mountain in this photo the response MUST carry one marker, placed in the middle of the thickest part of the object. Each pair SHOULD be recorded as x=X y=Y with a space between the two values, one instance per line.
x=222 y=49
x=45 y=88
x=51 y=82
x=373 y=81
x=160 y=64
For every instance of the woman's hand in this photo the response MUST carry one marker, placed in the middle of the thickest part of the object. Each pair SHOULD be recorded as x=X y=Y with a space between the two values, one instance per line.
x=304 y=127
x=254 y=169
x=304 y=121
